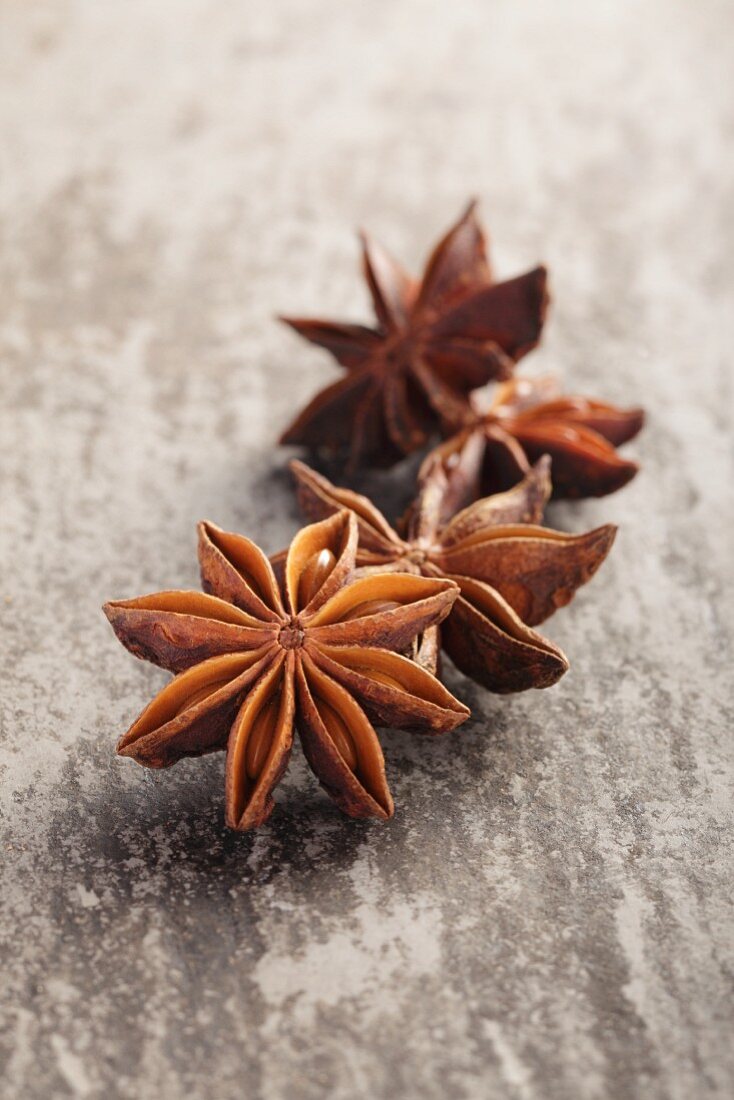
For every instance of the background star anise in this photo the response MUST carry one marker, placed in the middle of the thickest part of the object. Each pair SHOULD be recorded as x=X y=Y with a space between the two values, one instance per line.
x=511 y=572
x=252 y=664
x=435 y=340
x=530 y=417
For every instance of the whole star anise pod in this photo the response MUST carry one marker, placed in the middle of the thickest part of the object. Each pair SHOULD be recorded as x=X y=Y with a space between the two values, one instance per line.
x=252 y=664
x=435 y=340
x=531 y=417
x=511 y=572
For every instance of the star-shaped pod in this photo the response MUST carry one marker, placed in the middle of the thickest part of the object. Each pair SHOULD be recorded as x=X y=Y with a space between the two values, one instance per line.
x=511 y=572
x=252 y=664
x=531 y=417
x=434 y=341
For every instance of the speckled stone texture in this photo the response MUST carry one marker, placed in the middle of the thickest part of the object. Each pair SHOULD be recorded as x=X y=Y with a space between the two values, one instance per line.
x=549 y=914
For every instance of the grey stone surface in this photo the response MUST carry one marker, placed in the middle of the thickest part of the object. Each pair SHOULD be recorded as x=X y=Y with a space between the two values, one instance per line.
x=549 y=914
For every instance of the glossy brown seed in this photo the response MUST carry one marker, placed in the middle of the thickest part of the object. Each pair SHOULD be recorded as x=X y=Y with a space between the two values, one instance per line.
x=261 y=736
x=339 y=733
x=370 y=607
x=203 y=693
x=379 y=676
x=313 y=576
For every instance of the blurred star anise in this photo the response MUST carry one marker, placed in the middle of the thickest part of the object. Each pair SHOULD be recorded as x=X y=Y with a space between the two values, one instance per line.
x=512 y=573
x=252 y=664
x=530 y=417
x=435 y=340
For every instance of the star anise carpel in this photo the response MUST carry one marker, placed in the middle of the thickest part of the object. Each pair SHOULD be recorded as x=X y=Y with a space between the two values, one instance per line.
x=512 y=572
x=434 y=340
x=530 y=417
x=253 y=663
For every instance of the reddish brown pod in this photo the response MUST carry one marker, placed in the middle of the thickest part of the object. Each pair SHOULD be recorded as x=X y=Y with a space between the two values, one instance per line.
x=530 y=417
x=253 y=664
x=435 y=339
x=511 y=573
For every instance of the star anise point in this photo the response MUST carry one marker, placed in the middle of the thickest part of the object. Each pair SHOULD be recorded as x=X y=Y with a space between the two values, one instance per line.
x=434 y=341
x=511 y=572
x=252 y=664
x=529 y=417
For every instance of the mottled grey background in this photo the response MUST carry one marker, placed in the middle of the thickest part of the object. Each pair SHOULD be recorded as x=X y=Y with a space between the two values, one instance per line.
x=549 y=915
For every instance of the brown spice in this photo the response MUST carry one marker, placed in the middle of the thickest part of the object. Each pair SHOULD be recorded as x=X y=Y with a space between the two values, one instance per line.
x=253 y=663
x=434 y=341
x=512 y=573
x=531 y=417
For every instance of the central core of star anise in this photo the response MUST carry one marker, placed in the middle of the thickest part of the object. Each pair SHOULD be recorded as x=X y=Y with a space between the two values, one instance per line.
x=291 y=635
x=399 y=349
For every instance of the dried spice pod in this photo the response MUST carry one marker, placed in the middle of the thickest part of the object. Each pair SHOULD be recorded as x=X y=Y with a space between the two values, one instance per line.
x=531 y=417
x=512 y=573
x=253 y=664
x=434 y=341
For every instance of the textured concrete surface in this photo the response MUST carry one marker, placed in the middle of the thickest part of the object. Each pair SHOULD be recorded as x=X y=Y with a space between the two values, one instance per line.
x=549 y=915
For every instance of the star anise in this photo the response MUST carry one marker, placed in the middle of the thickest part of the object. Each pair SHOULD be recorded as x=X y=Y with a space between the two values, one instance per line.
x=531 y=417
x=252 y=663
x=435 y=340
x=512 y=573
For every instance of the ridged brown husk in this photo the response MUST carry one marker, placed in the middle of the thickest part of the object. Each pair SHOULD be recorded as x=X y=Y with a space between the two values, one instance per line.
x=435 y=340
x=532 y=417
x=512 y=572
x=252 y=664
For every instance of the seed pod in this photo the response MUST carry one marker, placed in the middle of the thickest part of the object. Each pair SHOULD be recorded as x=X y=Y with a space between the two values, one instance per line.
x=203 y=693
x=371 y=607
x=380 y=676
x=339 y=734
x=313 y=576
x=249 y=672
x=261 y=737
